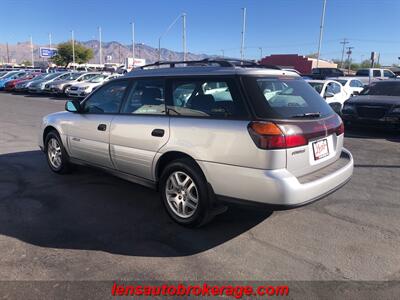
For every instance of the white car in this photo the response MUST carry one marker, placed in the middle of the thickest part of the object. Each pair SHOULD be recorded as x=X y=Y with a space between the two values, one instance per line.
x=332 y=91
x=351 y=85
x=82 y=89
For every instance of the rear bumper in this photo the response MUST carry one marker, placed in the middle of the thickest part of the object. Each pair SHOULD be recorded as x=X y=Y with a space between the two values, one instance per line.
x=277 y=187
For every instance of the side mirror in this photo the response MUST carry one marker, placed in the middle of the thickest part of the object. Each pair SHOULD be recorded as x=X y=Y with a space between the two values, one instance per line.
x=356 y=93
x=73 y=106
x=329 y=95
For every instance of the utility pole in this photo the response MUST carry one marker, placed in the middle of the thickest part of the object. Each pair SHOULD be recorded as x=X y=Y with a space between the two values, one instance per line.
x=133 y=43
x=73 y=49
x=348 y=59
x=321 y=30
x=243 y=34
x=184 y=36
x=32 y=53
x=50 y=40
x=261 y=52
x=8 y=55
x=100 y=47
x=223 y=53
x=344 y=46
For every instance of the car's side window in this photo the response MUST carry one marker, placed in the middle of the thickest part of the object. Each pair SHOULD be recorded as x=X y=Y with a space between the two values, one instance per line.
x=377 y=73
x=147 y=96
x=106 y=99
x=333 y=87
x=388 y=74
x=356 y=83
x=216 y=98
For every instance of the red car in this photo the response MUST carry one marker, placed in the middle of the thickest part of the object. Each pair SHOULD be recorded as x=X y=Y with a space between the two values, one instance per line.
x=10 y=86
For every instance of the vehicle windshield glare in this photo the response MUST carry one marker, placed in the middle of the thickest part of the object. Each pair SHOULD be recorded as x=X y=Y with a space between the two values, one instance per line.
x=382 y=88
x=341 y=81
x=285 y=98
x=98 y=78
x=74 y=76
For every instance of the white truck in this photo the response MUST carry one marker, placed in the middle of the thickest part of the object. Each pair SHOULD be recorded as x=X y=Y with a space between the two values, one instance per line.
x=366 y=76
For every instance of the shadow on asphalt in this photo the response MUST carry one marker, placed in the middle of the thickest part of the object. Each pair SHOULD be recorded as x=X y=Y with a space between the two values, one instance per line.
x=92 y=210
x=372 y=133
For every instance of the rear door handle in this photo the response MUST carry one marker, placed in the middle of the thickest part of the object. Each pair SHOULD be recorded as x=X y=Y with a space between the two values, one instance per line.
x=102 y=127
x=158 y=132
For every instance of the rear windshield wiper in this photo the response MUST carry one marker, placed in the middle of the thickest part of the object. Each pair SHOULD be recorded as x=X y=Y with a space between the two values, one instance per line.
x=308 y=115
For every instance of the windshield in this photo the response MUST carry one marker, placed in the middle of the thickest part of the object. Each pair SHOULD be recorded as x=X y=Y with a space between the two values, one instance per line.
x=317 y=86
x=285 y=98
x=51 y=76
x=382 y=88
x=98 y=78
x=10 y=74
x=73 y=76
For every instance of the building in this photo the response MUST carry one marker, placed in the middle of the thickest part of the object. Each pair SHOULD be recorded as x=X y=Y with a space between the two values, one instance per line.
x=301 y=63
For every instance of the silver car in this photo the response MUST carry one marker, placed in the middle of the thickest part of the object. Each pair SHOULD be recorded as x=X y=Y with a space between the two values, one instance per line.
x=205 y=134
x=38 y=86
x=60 y=87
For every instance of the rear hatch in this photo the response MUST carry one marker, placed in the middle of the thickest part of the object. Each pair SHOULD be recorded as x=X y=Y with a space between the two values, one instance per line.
x=291 y=115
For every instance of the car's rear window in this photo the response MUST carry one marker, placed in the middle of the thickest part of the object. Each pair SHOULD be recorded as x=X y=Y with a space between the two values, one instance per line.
x=284 y=98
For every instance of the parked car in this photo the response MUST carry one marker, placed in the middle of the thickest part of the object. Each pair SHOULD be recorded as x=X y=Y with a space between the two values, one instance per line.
x=59 y=87
x=23 y=86
x=323 y=73
x=352 y=86
x=378 y=105
x=280 y=148
x=10 y=85
x=82 y=89
x=332 y=91
x=10 y=76
x=39 y=85
x=366 y=76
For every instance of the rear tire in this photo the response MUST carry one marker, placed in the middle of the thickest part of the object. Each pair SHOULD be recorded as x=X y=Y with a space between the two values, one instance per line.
x=57 y=156
x=184 y=193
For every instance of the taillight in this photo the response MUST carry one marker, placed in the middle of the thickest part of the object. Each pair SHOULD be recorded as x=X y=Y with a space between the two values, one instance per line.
x=268 y=135
x=340 y=129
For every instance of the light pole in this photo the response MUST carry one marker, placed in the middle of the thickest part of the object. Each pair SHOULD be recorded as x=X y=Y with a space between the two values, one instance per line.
x=321 y=30
x=184 y=36
x=223 y=53
x=133 y=43
x=261 y=52
x=50 y=40
x=243 y=34
x=100 y=47
x=168 y=29
x=32 y=53
x=73 y=49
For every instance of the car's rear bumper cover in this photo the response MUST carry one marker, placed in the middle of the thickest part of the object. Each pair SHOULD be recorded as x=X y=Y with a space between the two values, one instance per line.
x=276 y=187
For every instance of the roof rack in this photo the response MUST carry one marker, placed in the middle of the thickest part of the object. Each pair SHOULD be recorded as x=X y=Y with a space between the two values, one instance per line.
x=230 y=63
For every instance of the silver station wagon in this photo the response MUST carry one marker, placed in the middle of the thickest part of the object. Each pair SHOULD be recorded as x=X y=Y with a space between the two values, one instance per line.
x=204 y=133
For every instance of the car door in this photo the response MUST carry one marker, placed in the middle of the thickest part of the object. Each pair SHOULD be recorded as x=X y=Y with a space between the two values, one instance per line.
x=141 y=128
x=89 y=131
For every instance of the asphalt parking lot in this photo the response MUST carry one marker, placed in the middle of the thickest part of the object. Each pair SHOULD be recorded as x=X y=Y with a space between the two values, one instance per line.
x=92 y=226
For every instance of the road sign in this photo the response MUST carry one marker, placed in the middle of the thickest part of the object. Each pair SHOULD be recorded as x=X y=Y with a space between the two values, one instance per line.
x=47 y=52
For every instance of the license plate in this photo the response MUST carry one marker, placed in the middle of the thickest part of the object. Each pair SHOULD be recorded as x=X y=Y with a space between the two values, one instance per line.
x=320 y=149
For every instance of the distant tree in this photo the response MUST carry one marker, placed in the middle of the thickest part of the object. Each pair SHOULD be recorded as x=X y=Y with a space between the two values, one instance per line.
x=312 y=55
x=64 y=55
x=26 y=63
x=367 y=64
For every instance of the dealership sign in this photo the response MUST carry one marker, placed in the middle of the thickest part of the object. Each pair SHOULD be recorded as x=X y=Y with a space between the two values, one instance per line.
x=47 y=52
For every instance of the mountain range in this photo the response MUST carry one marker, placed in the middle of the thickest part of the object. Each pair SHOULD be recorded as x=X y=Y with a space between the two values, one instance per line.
x=22 y=51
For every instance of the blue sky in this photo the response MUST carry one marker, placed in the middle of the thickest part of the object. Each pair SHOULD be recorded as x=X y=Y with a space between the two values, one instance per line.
x=278 y=26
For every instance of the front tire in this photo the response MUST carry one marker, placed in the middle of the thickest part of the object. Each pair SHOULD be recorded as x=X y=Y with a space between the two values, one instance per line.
x=184 y=193
x=57 y=157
